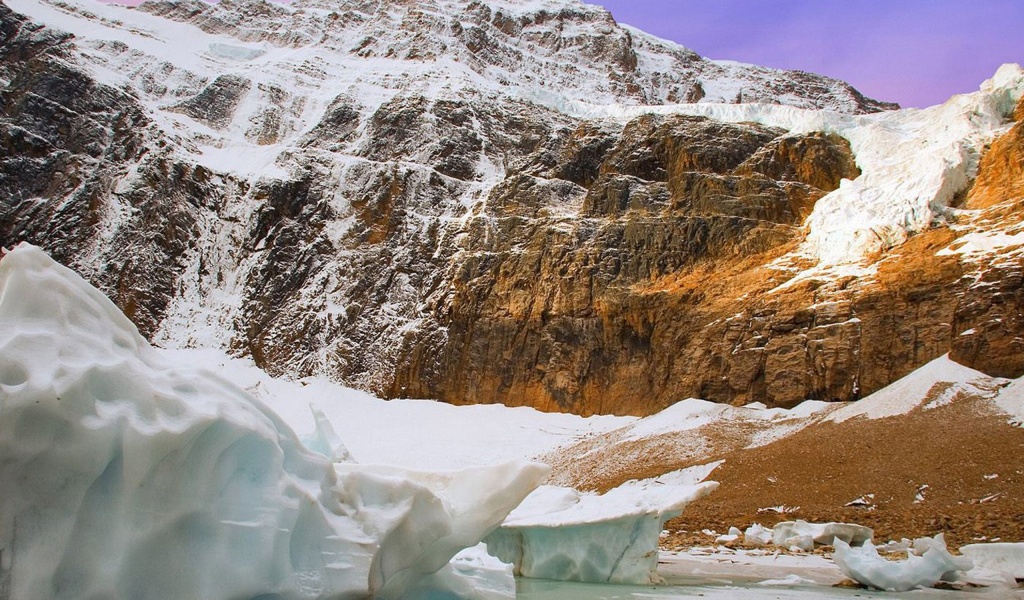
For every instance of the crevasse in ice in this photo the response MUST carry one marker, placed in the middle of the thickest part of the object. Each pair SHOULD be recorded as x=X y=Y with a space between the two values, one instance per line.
x=126 y=475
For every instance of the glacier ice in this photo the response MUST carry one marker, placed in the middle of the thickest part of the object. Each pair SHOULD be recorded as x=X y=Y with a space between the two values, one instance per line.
x=125 y=474
x=913 y=162
x=473 y=573
x=727 y=538
x=866 y=566
x=559 y=533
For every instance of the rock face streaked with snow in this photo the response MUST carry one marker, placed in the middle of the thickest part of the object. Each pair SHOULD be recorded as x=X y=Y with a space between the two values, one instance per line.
x=126 y=475
x=496 y=201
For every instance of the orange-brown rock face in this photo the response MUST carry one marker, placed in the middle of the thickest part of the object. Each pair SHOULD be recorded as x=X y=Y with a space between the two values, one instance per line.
x=990 y=314
x=592 y=299
x=664 y=287
x=1001 y=173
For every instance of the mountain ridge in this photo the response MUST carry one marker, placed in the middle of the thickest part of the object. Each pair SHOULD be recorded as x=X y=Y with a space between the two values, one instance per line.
x=518 y=44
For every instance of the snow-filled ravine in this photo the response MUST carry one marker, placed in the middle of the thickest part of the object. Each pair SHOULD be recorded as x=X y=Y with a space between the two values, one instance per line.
x=128 y=471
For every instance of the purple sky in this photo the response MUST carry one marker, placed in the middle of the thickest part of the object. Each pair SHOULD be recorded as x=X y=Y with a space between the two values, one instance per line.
x=915 y=52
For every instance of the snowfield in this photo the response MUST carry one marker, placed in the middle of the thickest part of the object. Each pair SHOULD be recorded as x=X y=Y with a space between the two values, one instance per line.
x=422 y=434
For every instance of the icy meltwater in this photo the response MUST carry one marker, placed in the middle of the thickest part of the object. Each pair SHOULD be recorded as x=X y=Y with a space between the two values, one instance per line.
x=725 y=574
x=727 y=589
x=737 y=586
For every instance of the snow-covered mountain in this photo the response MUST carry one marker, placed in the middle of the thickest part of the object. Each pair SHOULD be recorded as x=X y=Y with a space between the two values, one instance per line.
x=517 y=202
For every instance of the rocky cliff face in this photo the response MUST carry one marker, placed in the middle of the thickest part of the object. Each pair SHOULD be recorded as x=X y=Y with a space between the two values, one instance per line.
x=555 y=308
x=990 y=312
x=481 y=203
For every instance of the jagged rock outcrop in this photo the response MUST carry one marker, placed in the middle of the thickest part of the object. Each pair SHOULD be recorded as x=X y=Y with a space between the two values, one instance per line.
x=464 y=224
x=215 y=106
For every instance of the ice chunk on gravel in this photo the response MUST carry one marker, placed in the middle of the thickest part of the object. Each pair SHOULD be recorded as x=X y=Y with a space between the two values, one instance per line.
x=561 y=534
x=804 y=535
x=757 y=535
x=864 y=565
x=1004 y=557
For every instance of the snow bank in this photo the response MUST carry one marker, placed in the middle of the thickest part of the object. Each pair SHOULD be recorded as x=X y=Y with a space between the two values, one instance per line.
x=805 y=535
x=693 y=413
x=754 y=424
x=128 y=476
x=1011 y=401
x=682 y=416
x=865 y=566
x=933 y=384
x=562 y=534
x=423 y=435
